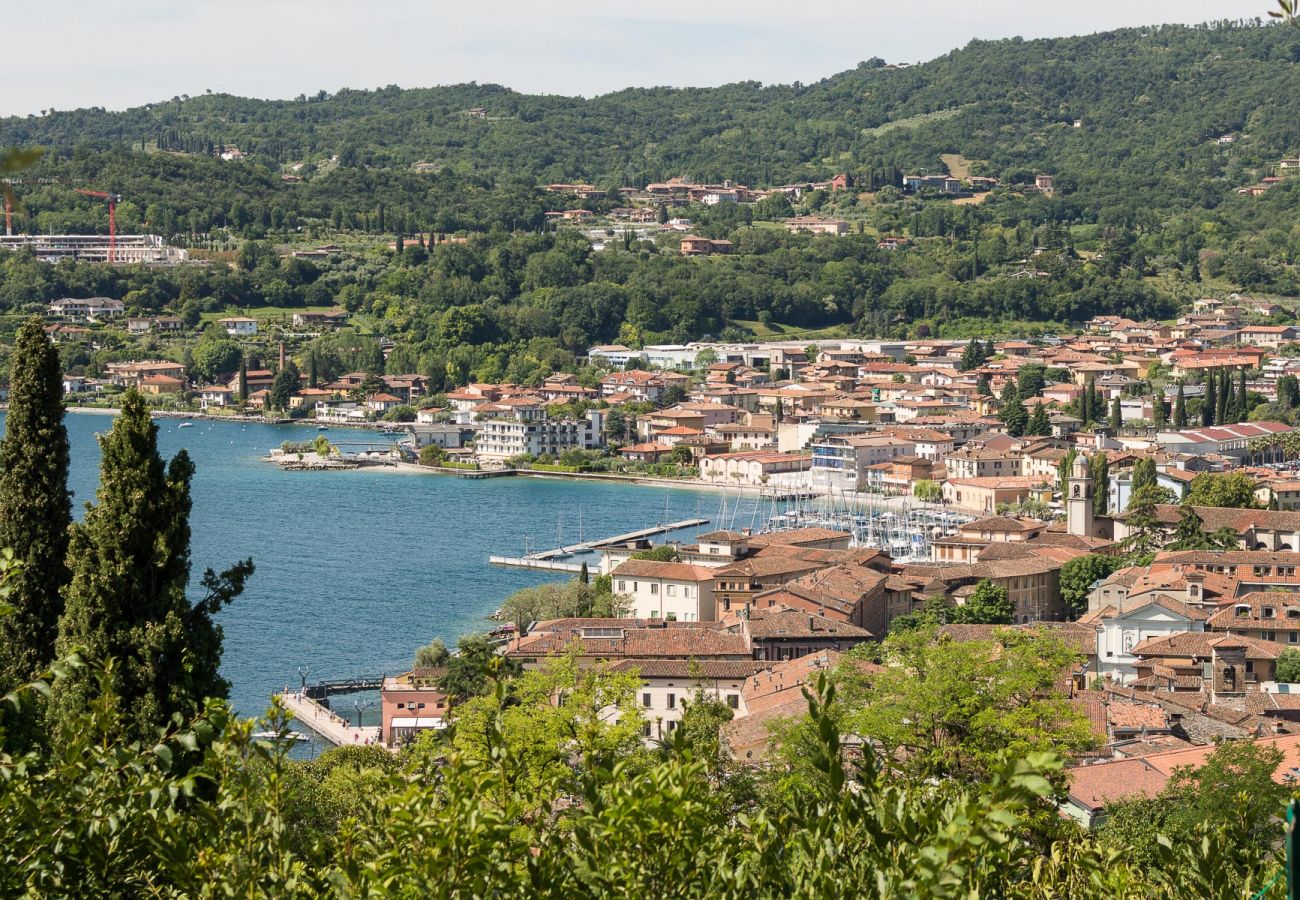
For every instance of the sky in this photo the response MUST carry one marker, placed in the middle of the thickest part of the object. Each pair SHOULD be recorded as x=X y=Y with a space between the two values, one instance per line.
x=122 y=53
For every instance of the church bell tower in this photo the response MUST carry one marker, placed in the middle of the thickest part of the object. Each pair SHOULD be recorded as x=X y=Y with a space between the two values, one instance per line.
x=1078 y=500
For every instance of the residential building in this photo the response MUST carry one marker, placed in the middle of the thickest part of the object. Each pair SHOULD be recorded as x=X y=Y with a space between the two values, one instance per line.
x=666 y=683
x=409 y=704
x=239 y=326
x=666 y=590
x=522 y=429
x=87 y=310
x=751 y=467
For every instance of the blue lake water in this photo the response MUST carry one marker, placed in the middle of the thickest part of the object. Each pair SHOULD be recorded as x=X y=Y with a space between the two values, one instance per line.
x=356 y=569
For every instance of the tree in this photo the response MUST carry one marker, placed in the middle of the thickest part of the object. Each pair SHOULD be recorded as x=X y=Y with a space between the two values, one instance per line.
x=661 y=553
x=432 y=455
x=213 y=358
x=1159 y=415
x=313 y=375
x=1190 y=534
x=1180 y=408
x=949 y=709
x=1233 y=792
x=1288 y=666
x=1063 y=470
x=1116 y=414
x=1011 y=411
x=35 y=506
x=1243 y=397
x=1221 y=393
x=1209 y=403
x=286 y=383
x=433 y=655
x=1144 y=473
x=1039 y=425
x=1288 y=392
x=988 y=604
x=471 y=671
x=1234 y=490
x=1146 y=530
x=927 y=491
x=1079 y=574
x=1099 y=469
x=243 y=380
x=126 y=601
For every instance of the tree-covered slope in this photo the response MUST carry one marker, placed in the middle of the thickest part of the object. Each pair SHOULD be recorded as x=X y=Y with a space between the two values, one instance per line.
x=1150 y=100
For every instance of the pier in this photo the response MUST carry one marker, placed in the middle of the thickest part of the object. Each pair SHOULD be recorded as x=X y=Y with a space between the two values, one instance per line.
x=551 y=559
x=327 y=723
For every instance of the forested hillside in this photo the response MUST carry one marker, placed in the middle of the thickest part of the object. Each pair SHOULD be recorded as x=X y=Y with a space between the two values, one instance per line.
x=1146 y=212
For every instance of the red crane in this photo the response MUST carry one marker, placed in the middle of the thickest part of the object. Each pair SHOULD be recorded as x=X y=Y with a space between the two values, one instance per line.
x=113 y=200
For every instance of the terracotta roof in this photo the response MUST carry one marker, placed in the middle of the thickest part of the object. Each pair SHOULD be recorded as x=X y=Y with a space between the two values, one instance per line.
x=720 y=669
x=673 y=571
x=780 y=623
x=1092 y=787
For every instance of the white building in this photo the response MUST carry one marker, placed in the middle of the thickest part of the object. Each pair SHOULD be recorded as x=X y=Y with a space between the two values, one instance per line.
x=680 y=592
x=239 y=326
x=526 y=429
x=1123 y=624
x=666 y=683
x=342 y=411
x=88 y=309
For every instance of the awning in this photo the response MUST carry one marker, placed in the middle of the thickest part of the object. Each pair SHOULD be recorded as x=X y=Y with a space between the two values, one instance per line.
x=421 y=722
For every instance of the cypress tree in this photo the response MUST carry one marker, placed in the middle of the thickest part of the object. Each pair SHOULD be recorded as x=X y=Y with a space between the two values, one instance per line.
x=1011 y=411
x=1039 y=425
x=1159 y=417
x=1116 y=414
x=1243 y=406
x=1180 y=408
x=312 y=376
x=1099 y=469
x=1221 y=405
x=1209 y=401
x=126 y=602
x=35 y=506
x=243 y=379
x=1144 y=474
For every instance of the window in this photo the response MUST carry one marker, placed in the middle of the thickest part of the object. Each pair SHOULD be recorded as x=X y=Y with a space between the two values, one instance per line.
x=1269 y=635
x=1293 y=637
x=645 y=700
x=672 y=701
x=1268 y=612
x=654 y=588
x=672 y=726
x=672 y=590
x=419 y=706
x=733 y=700
x=645 y=730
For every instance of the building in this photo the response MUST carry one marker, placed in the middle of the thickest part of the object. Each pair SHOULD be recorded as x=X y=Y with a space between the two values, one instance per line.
x=816 y=225
x=1124 y=624
x=674 y=591
x=751 y=467
x=88 y=310
x=985 y=495
x=411 y=703
x=131 y=374
x=666 y=683
x=526 y=429
x=239 y=326
x=851 y=456
x=147 y=249
x=694 y=245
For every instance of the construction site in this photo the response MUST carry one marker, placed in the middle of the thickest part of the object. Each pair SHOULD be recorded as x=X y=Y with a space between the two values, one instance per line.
x=148 y=249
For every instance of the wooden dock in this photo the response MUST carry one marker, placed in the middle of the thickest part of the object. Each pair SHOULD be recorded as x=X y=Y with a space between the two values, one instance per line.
x=327 y=723
x=547 y=559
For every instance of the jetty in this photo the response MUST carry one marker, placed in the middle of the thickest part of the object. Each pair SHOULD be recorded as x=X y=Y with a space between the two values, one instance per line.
x=551 y=559
x=327 y=723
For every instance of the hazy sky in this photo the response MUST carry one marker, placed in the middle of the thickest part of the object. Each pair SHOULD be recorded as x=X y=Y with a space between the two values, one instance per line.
x=119 y=53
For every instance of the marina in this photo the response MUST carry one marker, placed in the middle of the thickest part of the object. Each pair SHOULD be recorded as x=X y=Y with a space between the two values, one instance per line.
x=553 y=560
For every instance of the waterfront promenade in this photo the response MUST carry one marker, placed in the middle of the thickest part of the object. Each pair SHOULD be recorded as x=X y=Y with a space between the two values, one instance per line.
x=327 y=723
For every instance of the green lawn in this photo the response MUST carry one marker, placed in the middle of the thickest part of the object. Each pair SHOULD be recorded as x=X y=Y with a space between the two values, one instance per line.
x=774 y=331
x=263 y=313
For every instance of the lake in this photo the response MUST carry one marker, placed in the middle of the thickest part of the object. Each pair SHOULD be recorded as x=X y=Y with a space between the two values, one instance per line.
x=356 y=569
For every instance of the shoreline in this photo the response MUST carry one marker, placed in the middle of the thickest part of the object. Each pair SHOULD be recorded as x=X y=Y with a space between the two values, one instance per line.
x=417 y=469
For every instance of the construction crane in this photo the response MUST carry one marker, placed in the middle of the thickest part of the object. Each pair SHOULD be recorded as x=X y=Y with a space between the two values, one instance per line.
x=113 y=200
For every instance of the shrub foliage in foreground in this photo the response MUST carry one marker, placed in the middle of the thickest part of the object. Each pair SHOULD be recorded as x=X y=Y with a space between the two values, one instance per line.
x=206 y=811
